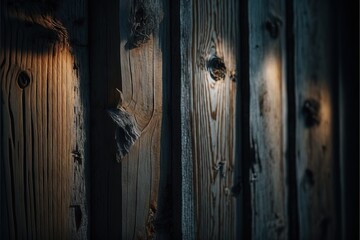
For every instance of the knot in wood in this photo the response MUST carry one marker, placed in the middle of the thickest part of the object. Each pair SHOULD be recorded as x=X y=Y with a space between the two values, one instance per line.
x=23 y=80
x=216 y=68
x=311 y=109
x=272 y=27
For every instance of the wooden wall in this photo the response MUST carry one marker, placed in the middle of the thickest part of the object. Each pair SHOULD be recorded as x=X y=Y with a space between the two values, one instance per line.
x=244 y=110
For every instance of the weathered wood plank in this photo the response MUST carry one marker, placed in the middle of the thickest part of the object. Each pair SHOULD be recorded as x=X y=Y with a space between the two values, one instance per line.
x=182 y=162
x=143 y=73
x=125 y=194
x=315 y=149
x=266 y=76
x=215 y=35
x=38 y=119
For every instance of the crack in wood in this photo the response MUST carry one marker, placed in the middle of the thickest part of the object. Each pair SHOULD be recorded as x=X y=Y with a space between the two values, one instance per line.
x=77 y=215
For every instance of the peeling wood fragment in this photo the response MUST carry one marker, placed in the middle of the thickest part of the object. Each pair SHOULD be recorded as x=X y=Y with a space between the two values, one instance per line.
x=144 y=19
x=127 y=131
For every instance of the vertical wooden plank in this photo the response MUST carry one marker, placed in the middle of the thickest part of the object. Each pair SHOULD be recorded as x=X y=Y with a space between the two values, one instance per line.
x=182 y=164
x=143 y=74
x=315 y=149
x=128 y=44
x=37 y=118
x=266 y=76
x=214 y=49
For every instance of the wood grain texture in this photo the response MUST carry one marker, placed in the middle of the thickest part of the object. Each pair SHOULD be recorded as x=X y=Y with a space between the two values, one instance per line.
x=215 y=33
x=125 y=195
x=266 y=76
x=143 y=71
x=184 y=201
x=315 y=149
x=39 y=124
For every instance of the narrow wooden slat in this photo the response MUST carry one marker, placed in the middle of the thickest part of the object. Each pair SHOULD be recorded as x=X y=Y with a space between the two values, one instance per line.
x=314 y=98
x=266 y=76
x=214 y=55
x=143 y=73
x=125 y=194
x=37 y=90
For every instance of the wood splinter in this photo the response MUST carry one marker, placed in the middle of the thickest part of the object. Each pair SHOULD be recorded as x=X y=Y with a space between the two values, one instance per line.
x=127 y=131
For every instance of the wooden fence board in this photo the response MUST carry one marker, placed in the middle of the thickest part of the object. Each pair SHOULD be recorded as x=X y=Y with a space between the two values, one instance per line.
x=266 y=76
x=143 y=72
x=39 y=88
x=131 y=47
x=215 y=36
x=314 y=74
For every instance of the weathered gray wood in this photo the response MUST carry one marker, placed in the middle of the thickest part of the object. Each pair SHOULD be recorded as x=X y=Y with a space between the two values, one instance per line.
x=315 y=149
x=213 y=57
x=184 y=212
x=38 y=121
x=266 y=77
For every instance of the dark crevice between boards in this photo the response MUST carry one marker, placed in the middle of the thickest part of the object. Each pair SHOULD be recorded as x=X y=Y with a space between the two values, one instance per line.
x=292 y=208
x=244 y=226
x=164 y=212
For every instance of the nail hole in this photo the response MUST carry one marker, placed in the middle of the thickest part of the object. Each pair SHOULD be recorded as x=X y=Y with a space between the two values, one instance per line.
x=23 y=80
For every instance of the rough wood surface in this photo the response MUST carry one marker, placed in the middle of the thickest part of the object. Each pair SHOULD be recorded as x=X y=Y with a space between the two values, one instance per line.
x=125 y=195
x=215 y=35
x=143 y=71
x=315 y=149
x=266 y=76
x=182 y=161
x=40 y=124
